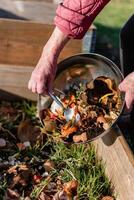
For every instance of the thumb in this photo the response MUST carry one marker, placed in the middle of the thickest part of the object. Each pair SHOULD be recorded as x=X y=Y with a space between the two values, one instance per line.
x=122 y=87
x=129 y=97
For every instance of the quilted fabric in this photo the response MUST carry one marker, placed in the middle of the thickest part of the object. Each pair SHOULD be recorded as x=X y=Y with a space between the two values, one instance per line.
x=73 y=17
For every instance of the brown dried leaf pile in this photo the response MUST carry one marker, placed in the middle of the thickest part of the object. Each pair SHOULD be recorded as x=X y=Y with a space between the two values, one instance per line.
x=97 y=104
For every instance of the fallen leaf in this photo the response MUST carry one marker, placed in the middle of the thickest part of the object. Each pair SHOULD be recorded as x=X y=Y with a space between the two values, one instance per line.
x=43 y=196
x=61 y=195
x=27 y=132
x=49 y=124
x=11 y=195
x=27 y=198
x=71 y=187
x=22 y=175
x=107 y=198
x=110 y=83
x=80 y=138
x=48 y=165
x=14 y=169
x=66 y=130
x=101 y=119
x=23 y=179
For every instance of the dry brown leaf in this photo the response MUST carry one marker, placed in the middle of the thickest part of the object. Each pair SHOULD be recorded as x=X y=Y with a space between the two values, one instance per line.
x=16 y=180
x=21 y=175
x=80 y=138
x=27 y=198
x=43 y=196
x=102 y=120
x=23 y=178
x=107 y=198
x=108 y=87
x=113 y=115
x=90 y=85
x=27 y=132
x=50 y=125
x=68 y=192
x=110 y=83
x=92 y=114
x=67 y=129
x=99 y=97
x=11 y=195
x=14 y=169
x=71 y=187
x=61 y=195
x=112 y=86
x=48 y=165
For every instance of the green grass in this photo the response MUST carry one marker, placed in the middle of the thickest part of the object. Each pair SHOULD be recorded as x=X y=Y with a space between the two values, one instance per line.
x=3 y=187
x=79 y=162
x=70 y=162
x=111 y=19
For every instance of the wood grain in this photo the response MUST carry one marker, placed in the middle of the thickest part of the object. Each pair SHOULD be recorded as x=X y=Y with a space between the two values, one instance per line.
x=21 y=46
x=14 y=79
x=39 y=11
x=119 y=162
x=22 y=42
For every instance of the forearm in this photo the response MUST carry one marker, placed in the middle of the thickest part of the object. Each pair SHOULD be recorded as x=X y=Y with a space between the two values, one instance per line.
x=42 y=77
x=55 y=43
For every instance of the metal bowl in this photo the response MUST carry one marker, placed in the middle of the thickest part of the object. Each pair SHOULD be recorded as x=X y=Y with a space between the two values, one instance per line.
x=83 y=68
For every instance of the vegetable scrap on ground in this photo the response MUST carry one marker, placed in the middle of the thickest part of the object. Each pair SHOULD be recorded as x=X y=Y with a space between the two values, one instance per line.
x=33 y=166
x=94 y=107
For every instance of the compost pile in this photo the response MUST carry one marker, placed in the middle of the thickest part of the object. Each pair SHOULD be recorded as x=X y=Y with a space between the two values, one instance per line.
x=34 y=167
x=95 y=106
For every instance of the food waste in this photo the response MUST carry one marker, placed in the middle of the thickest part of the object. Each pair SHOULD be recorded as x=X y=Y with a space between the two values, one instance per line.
x=95 y=106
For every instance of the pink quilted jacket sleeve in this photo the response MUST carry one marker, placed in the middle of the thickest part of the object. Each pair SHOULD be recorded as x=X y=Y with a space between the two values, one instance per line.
x=73 y=17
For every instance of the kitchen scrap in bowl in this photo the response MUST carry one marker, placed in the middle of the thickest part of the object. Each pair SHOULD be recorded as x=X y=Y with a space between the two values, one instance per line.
x=87 y=84
x=95 y=106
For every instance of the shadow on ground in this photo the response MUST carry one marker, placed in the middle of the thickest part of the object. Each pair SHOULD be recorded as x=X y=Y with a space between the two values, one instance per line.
x=9 y=15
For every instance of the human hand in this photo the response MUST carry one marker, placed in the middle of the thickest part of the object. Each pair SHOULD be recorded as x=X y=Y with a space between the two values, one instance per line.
x=42 y=77
x=127 y=86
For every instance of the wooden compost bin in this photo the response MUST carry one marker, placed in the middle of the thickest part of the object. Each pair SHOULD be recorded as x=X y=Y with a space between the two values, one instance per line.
x=21 y=46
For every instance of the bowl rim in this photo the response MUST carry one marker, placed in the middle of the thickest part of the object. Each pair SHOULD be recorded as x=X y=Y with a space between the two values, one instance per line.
x=60 y=69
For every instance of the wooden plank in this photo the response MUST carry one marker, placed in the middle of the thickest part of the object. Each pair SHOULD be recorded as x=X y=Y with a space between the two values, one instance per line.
x=22 y=42
x=7 y=5
x=21 y=46
x=40 y=11
x=15 y=80
x=119 y=162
